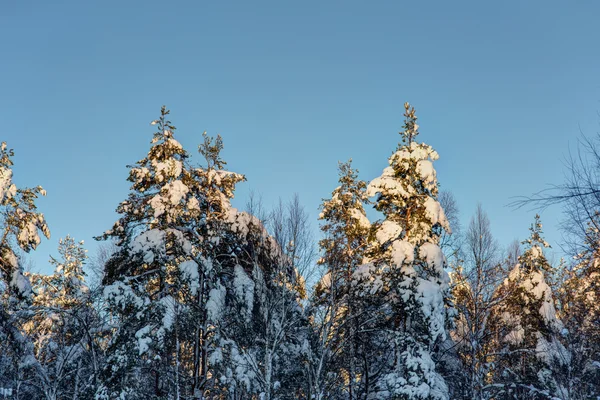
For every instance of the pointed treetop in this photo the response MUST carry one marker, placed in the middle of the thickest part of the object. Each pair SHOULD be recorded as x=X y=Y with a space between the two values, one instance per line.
x=161 y=185
x=348 y=177
x=164 y=161
x=411 y=128
x=74 y=256
x=407 y=190
x=218 y=184
x=21 y=217
x=536 y=234
x=344 y=223
x=533 y=258
x=165 y=128
x=346 y=200
x=211 y=151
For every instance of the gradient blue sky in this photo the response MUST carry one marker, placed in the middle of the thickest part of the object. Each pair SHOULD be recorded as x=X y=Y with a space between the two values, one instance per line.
x=501 y=89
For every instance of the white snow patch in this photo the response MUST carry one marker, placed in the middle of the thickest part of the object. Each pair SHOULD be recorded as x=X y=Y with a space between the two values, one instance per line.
x=143 y=340
x=435 y=213
x=402 y=252
x=189 y=269
x=216 y=302
x=244 y=289
x=21 y=283
x=432 y=306
x=388 y=230
x=427 y=172
x=434 y=257
x=152 y=243
x=361 y=218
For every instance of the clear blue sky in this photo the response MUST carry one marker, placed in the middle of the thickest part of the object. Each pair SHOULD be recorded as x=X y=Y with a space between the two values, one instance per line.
x=501 y=90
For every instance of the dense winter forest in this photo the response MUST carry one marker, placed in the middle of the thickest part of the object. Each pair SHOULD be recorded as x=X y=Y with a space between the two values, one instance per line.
x=190 y=298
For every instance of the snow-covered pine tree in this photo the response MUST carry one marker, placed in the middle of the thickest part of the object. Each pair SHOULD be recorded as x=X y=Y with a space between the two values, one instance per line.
x=334 y=365
x=406 y=280
x=154 y=276
x=69 y=288
x=531 y=356
x=21 y=224
x=63 y=327
x=216 y=246
x=579 y=308
x=21 y=227
x=248 y=335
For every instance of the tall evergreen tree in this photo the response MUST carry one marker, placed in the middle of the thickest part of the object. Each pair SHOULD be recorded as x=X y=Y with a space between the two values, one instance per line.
x=579 y=309
x=406 y=279
x=22 y=224
x=335 y=370
x=155 y=273
x=21 y=228
x=251 y=324
x=216 y=244
x=206 y=303
x=531 y=354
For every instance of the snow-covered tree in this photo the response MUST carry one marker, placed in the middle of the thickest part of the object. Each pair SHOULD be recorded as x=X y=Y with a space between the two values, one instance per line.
x=205 y=302
x=578 y=296
x=216 y=245
x=405 y=278
x=260 y=341
x=64 y=327
x=337 y=315
x=531 y=356
x=249 y=323
x=21 y=228
x=578 y=305
x=22 y=224
x=154 y=275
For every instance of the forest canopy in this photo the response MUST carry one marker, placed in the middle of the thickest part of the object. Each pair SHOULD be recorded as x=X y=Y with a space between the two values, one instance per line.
x=191 y=298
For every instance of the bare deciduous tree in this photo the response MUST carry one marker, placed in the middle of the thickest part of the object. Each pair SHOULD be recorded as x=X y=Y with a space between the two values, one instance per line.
x=290 y=226
x=476 y=298
x=255 y=206
x=579 y=196
x=513 y=252
x=96 y=263
x=450 y=242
